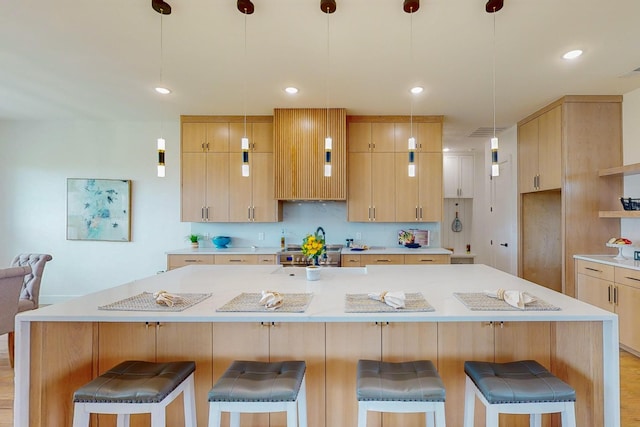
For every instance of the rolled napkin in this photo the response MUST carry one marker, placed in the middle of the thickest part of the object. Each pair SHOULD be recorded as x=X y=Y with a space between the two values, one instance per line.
x=271 y=299
x=165 y=298
x=393 y=299
x=516 y=299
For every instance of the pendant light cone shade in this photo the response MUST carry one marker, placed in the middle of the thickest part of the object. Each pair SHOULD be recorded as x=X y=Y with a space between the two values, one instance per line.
x=411 y=6
x=328 y=6
x=245 y=7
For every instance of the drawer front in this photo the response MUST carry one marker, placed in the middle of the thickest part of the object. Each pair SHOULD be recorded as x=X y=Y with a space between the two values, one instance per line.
x=236 y=259
x=627 y=276
x=427 y=259
x=175 y=261
x=350 y=261
x=266 y=259
x=388 y=259
x=595 y=269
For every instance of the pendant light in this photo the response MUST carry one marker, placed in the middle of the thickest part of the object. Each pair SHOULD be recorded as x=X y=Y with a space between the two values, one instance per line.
x=411 y=7
x=163 y=9
x=246 y=8
x=328 y=7
x=492 y=7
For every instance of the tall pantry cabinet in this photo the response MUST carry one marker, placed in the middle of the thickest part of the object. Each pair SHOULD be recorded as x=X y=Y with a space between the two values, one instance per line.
x=561 y=147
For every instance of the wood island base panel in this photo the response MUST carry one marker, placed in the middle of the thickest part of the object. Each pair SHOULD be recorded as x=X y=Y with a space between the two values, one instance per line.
x=61 y=347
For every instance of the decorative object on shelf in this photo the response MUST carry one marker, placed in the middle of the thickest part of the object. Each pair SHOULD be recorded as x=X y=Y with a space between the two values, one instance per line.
x=221 y=242
x=619 y=242
x=492 y=7
x=194 y=239
x=629 y=204
x=313 y=272
x=99 y=209
x=313 y=246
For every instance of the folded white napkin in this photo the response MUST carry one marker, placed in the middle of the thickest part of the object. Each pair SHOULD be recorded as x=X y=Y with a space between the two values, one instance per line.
x=271 y=299
x=393 y=299
x=516 y=299
x=165 y=298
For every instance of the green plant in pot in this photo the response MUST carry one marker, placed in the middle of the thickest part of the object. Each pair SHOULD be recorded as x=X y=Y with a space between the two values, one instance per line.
x=194 y=239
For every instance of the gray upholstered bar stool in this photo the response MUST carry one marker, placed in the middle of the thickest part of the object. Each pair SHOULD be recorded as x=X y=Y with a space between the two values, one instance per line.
x=254 y=387
x=400 y=387
x=522 y=387
x=135 y=387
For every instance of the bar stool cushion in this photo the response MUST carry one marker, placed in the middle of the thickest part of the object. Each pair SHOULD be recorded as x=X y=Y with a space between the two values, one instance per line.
x=518 y=382
x=405 y=381
x=135 y=381
x=251 y=381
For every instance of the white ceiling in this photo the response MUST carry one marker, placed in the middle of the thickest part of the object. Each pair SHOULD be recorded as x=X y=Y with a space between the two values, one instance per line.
x=100 y=60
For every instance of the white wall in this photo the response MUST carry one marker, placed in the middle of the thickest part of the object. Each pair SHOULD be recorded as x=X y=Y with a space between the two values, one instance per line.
x=38 y=157
x=630 y=228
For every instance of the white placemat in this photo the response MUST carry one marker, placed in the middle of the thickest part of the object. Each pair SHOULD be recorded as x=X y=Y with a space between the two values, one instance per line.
x=361 y=303
x=250 y=302
x=477 y=301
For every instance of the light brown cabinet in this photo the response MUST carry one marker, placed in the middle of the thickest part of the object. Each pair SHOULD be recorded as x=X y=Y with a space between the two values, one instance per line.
x=615 y=289
x=213 y=188
x=379 y=187
x=557 y=221
x=176 y=261
x=362 y=260
x=539 y=152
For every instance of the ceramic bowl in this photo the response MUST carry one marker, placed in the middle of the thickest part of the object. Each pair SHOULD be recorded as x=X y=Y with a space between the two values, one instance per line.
x=221 y=241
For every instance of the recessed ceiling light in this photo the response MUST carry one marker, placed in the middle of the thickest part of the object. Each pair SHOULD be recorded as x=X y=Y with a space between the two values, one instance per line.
x=416 y=90
x=572 y=54
x=163 y=90
x=291 y=90
x=445 y=149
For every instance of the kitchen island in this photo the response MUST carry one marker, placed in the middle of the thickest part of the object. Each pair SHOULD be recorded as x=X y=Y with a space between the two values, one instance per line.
x=60 y=347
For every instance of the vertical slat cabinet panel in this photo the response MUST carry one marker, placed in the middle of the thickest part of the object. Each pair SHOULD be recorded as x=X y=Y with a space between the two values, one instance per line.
x=346 y=343
x=302 y=341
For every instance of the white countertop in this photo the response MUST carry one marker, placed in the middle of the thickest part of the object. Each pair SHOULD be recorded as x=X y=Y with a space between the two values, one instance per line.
x=609 y=259
x=436 y=282
x=222 y=251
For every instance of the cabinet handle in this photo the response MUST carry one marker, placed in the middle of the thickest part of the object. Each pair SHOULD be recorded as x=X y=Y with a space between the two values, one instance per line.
x=381 y=323
x=615 y=295
x=236 y=260
x=374 y=213
x=632 y=278
x=421 y=212
x=206 y=213
x=207 y=146
x=191 y=260
x=427 y=260
x=268 y=324
x=593 y=269
x=383 y=260
x=202 y=213
x=253 y=213
x=609 y=293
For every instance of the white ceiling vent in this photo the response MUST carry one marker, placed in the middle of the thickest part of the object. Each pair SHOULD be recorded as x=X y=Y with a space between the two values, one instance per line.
x=485 y=132
x=632 y=73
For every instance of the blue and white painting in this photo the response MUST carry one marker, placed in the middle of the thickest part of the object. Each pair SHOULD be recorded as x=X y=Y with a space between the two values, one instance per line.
x=98 y=209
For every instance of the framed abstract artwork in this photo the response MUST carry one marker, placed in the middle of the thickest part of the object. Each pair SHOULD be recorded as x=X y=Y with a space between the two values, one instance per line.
x=99 y=209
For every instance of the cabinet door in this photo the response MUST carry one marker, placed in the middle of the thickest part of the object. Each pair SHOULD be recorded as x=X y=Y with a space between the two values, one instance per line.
x=430 y=186
x=427 y=259
x=451 y=176
x=300 y=341
x=402 y=342
x=265 y=208
x=386 y=259
x=239 y=341
x=466 y=176
x=194 y=138
x=240 y=196
x=407 y=203
x=176 y=261
x=188 y=341
x=193 y=184
x=217 y=187
x=458 y=342
x=346 y=343
x=238 y=259
x=125 y=341
x=359 y=187
x=350 y=261
x=527 y=156
x=628 y=302
x=383 y=139
x=383 y=198
x=359 y=137
x=429 y=137
x=595 y=291
x=549 y=149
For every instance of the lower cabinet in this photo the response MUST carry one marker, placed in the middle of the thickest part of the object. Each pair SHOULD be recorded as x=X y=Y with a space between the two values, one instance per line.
x=615 y=289
x=159 y=342
x=176 y=261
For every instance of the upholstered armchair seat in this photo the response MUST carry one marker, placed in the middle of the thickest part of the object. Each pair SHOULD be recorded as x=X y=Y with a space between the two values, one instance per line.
x=30 y=295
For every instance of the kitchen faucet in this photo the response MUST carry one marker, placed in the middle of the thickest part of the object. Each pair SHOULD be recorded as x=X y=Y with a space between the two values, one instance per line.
x=324 y=237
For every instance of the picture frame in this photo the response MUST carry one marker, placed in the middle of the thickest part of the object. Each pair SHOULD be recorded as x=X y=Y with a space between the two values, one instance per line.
x=99 y=209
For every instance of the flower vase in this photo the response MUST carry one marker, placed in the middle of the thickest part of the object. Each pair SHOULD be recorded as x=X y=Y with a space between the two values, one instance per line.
x=313 y=272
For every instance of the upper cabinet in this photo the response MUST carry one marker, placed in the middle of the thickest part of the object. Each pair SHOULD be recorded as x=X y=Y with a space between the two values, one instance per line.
x=458 y=172
x=379 y=186
x=212 y=186
x=300 y=154
x=539 y=152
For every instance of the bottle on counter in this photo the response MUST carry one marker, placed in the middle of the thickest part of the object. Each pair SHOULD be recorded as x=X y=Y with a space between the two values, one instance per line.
x=282 y=240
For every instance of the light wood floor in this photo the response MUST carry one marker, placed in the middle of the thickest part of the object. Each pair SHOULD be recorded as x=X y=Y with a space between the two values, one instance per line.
x=629 y=388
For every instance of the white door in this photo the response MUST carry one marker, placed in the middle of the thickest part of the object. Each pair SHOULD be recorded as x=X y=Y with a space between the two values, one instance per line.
x=502 y=219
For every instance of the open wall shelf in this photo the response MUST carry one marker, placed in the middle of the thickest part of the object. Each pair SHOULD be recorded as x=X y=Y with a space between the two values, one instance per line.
x=632 y=169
